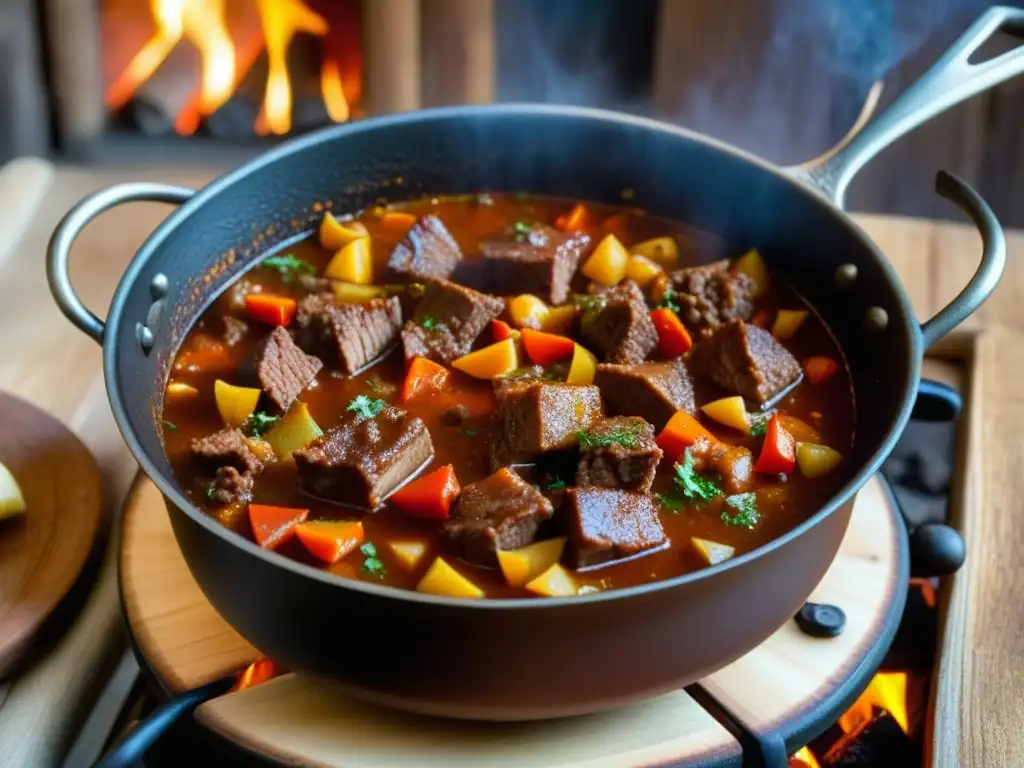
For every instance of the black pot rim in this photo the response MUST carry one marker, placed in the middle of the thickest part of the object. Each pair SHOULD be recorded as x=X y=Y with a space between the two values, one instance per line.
x=169 y=487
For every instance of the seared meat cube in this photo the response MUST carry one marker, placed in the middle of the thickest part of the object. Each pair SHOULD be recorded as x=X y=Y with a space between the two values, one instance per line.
x=447 y=321
x=618 y=453
x=230 y=485
x=711 y=294
x=234 y=330
x=746 y=360
x=282 y=369
x=619 y=325
x=541 y=416
x=227 y=448
x=348 y=335
x=502 y=511
x=362 y=460
x=653 y=391
x=427 y=251
x=606 y=525
x=541 y=261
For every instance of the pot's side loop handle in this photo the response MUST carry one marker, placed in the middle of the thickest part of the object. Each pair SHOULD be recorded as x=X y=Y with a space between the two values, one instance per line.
x=950 y=80
x=77 y=219
x=993 y=258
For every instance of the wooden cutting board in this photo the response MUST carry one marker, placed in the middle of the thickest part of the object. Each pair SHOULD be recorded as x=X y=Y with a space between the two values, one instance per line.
x=43 y=551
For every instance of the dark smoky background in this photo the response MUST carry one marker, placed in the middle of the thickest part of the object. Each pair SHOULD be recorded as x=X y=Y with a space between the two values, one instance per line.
x=784 y=79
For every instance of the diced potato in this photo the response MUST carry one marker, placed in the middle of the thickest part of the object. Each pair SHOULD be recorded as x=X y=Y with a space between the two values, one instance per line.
x=408 y=553
x=294 y=431
x=527 y=311
x=554 y=582
x=752 y=265
x=352 y=263
x=491 y=361
x=583 y=367
x=816 y=460
x=235 y=404
x=264 y=451
x=663 y=251
x=642 y=270
x=712 y=551
x=729 y=411
x=12 y=503
x=353 y=293
x=788 y=322
x=527 y=563
x=179 y=390
x=442 y=579
x=558 y=319
x=334 y=235
x=607 y=264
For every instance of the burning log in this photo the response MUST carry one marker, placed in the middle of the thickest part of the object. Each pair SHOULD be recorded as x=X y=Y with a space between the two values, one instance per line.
x=877 y=743
x=163 y=97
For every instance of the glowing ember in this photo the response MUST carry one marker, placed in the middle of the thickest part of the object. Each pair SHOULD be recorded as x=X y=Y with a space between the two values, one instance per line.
x=258 y=672
x=888 y=691
x=804 y=758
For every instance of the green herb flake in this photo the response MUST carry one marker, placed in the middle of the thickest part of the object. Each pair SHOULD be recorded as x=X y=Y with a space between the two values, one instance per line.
x=618 y=436
x=372 y=564
x=556 y=486
x=374 y=384
x=365 y=407
x=759 y=428
x=289 y=266
x=522 y=229
x=470 y=432
x=210 y=490
x=369 y=549
x=258 y=424
x=693 y=485
x=428 y=323
x=171 y=426
x=745 y=505
x=667 y=300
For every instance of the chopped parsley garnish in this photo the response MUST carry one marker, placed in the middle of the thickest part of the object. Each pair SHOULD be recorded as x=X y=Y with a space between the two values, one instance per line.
x=667 y=297
x=258 y=424
x=289 y=266
x=759 y=428
x=484 y=199
x=470 y=432
x=617 y=436
x=557 y=485
x=374 y=384
x=428 y=323
x=522 y=228
x=372 y=563
x=365 y=407
x=170 y=425
x=669 y=502
x=591 y=306
x=210 y=490
x=745 y=505
x=693 y=485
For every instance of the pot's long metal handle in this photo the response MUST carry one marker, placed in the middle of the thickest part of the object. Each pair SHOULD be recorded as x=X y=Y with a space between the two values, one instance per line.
x=952 y=79
x=77 y=219
x=993 y=258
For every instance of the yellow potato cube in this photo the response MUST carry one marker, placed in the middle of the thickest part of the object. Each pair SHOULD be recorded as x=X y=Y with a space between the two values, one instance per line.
x=729 y=411
x=788 y=322
x=490 y=362
x=294 y=431
x=642 y=270
x=235 y=404
x=607 y=264
x=442 y=579
x=352 y=264
x=663 y=251
x=712 y=551
x=334 y=235
x=525 y=564
x=527 y=311
x=554 y=582
x=408 y=553
x=816 y=460
x=583 y=367
x=752 y=265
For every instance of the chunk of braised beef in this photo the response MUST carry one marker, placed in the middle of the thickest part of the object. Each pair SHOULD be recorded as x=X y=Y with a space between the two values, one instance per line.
x=234 y=330
x=347 y=336
x=540 y=416
x=653 y=391
x=619 y=453
x=447 y=321
x=227 y=448
x=746 y=360
x=712 y=294
x=427 y=251
x=535 y=259
x=501 y=511
x=362 y=460
x=608 y=524
x=281 y=369
x=230 y=486
x=618 y=325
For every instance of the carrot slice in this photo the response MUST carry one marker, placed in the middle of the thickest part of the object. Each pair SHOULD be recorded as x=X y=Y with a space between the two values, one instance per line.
x=397 y=221
x=500 y=330
x=424 y=376
x=819 y=368
x=673 y=338
x=330 y=541
x=490 y=362
x=430 y=496
x=270 y=309
x=273 y=526
x=547 y=348
x=577 y=219
x=778 y=454
x=681 y=432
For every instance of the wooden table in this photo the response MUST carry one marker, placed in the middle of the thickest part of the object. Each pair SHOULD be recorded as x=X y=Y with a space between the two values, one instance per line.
x=48 y=362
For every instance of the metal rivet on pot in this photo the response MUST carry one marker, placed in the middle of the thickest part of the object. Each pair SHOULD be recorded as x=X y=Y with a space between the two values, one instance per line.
x=144 y=337
x=876 y=320
x=845 y=276
x=158 y=286
x=821 y=620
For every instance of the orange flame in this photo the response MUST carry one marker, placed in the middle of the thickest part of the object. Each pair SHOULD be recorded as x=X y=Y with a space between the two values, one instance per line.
x=888 y=691
x=259 y=671
x=804 y=758
x=333 y=93
x=169 y=18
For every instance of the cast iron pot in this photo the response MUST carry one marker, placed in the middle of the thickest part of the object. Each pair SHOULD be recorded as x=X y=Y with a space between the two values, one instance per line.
x=537 y=658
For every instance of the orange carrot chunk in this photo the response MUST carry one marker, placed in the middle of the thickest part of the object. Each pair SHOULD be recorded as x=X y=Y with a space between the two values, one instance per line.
x=424 y=376
x=270 y=309
x=397 y=221
x=819 y=368
x=273 y=526
x=576 y=219
x=500 y=330
x=778 y=454
x=547 y=348
x=330 y=541
x=682 y=431
x=429 y=497
x=761 y=318
x=673 y=338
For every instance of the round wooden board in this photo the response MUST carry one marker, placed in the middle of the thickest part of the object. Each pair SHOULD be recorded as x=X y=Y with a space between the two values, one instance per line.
x=775 y=690
x=43 y=551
